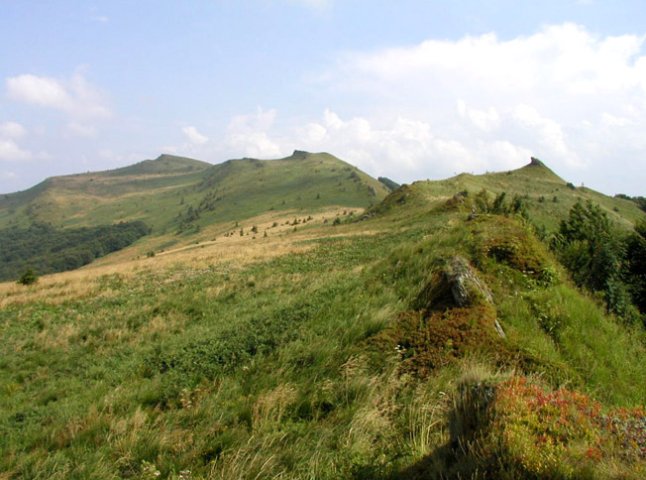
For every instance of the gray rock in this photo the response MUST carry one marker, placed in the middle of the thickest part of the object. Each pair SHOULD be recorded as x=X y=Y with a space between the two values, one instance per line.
x=458 y=285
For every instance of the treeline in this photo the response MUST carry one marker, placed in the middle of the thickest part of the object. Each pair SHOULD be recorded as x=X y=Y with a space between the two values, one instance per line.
x=640 y=201
x=46 y=249
x=600 y=256
x=390 y=184
x=603 y=259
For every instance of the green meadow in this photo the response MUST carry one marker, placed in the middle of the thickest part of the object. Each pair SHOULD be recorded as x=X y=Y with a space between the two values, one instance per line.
x=328 y=343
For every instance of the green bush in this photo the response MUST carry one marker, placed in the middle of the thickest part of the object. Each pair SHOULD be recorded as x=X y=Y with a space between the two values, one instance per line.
x=29 y=277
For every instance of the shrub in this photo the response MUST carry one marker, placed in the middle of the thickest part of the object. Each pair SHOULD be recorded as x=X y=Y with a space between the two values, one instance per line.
x=588 y=248
x=635 y=268
x=482 y=201
x=29 y=277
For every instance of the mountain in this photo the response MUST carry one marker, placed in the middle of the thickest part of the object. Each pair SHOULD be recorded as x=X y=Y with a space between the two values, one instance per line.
x=138 y=192
x=239 y=189
x=170 y=192
x=547 y=197
x=67 y=222
x=440 y=333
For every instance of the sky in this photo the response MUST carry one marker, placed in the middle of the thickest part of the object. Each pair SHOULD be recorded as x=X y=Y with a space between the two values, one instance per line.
x=410 y=90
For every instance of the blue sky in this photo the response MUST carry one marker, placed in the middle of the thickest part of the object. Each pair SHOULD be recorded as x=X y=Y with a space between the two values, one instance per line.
x=407 y=89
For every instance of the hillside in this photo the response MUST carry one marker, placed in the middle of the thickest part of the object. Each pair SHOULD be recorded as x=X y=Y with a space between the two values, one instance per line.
x=139 y=192
x=159 y=192
x=418 y=340
x=177 y=197
x=548 y=197
x=302 y=182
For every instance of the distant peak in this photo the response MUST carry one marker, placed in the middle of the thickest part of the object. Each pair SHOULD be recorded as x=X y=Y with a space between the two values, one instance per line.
x=538 y=167
x=168 y=156
x=535 y=162
x=300 y=154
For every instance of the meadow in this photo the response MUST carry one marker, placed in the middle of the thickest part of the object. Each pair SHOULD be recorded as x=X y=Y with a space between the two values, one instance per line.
x=327 y=349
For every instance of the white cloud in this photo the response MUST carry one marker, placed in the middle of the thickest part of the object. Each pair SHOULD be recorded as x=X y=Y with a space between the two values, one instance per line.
x=547 y=133
x=402 y=148
x=10 y=151
x=74 y=96
x=12 y=130
x=615 y=121
x=248 y=134
x=194 y=136
x=81 y=130
x=573 y=98
x=485 y=120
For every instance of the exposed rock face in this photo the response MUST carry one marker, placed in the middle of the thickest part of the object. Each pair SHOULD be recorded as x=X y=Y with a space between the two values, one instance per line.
x=466 y=287
x=300 y=154
x=457 y=286
x=535 y=162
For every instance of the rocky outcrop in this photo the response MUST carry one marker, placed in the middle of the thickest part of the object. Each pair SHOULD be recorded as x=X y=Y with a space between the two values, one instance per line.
x=535 y=162
x=456 y=286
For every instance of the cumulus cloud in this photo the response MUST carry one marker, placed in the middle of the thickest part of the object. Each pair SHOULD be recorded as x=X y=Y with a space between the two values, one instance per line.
x=194 y=136
x=74 y=96
x=486 y=120
x=403 y=148
x=572 y=98
x=12 y=130
x=249 y=134
x=558 y=94
x=10 y=151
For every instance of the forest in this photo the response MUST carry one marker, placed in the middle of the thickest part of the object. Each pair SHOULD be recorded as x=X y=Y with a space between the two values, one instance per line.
x=44 y=249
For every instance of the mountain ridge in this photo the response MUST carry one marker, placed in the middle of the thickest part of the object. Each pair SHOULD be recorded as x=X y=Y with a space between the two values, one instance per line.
x=440 y=334
x=156 y=190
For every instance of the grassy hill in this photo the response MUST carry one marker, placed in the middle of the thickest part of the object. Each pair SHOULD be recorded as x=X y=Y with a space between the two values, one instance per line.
x=175 y=195
x=140 y=192
x=329 y=349
x=303 y=182
x=160 y=191
x=547 y=197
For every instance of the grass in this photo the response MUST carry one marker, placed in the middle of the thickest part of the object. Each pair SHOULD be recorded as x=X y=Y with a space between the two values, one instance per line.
x=160 y=193
x=310 y=354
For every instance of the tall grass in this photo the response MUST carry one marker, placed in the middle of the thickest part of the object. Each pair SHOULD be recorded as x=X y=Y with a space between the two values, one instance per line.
x=275 y=362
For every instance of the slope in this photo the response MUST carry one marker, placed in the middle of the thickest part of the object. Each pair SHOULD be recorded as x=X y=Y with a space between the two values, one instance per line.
x=143 y=191
x=302 y=182
x=332 y=351
x=170 y=192
x=170 y=195
x=546 y=197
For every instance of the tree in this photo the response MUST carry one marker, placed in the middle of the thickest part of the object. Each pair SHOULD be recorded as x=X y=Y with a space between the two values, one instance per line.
x=593 y=252
x=635 y=268
x=29 y=277
x=589 y=247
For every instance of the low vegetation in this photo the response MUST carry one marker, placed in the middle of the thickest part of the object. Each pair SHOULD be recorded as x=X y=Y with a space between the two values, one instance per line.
x=435 y=335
